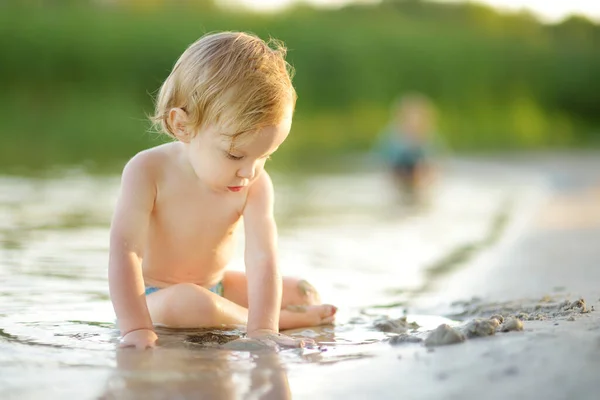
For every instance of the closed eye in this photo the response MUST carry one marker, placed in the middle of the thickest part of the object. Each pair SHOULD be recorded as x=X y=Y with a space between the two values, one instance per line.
x=232 y=157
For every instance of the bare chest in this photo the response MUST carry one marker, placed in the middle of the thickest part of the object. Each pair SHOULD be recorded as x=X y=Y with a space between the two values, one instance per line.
x=186 y=215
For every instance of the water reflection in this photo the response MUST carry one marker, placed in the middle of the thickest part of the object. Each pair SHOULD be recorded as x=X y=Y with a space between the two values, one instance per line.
x=212 y=374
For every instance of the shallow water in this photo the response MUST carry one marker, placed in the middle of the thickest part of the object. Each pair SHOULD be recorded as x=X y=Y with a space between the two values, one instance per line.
x=349 y=235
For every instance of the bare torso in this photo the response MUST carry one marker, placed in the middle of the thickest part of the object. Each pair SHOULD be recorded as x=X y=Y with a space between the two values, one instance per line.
x=191 y=231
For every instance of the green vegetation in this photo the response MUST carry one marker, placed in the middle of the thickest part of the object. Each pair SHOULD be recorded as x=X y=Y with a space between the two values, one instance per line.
x=77 y=80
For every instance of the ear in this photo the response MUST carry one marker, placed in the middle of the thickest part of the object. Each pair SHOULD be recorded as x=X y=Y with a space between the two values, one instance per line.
x=178 y=122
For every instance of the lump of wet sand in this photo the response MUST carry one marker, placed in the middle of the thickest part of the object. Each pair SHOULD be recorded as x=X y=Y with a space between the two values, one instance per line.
x=497 y=317
x=211 y=338
x=400 y=325
x=511 y=324
x=480 y=327
x=577 y=305
x=444 y=335
x=405 y=338
x=523 y=316
x=548 y=308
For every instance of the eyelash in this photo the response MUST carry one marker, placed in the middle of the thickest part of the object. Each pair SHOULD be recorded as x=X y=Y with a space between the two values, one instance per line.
x=232 y=157
x=236 y=158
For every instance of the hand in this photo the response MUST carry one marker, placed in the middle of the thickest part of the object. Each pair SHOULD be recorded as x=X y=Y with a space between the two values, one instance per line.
x=266 y=339
x=141 y=339
x=275 y=339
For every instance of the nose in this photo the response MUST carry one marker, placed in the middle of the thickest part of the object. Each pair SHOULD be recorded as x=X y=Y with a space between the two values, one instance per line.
x=248 y=171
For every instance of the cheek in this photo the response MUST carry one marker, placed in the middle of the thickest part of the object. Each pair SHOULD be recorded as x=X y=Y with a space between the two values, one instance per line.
x=197 y=160
x=215 y=168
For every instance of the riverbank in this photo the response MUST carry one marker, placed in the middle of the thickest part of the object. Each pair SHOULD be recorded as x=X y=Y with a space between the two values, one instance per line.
x=552 y=264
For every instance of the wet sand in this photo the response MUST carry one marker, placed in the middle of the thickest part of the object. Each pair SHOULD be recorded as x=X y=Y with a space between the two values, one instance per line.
x=540 y=279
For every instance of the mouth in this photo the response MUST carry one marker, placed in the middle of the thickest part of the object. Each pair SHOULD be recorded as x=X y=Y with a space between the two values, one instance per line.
x=235 y=188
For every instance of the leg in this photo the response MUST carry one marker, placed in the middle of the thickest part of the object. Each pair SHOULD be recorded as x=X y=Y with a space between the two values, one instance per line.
x=300 y=304
x=187 y=305
x=295 y=291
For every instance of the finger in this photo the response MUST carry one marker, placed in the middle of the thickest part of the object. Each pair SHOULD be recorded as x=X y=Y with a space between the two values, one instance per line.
x=248 y=344
x=140 y=346
x=288 y=341
x=271 y=344
x=302 y=343
x=123 y=344
x=147 y=346
x=305 y=342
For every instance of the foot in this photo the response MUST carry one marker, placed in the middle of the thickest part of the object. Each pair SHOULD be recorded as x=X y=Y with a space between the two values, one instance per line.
x=293 y=316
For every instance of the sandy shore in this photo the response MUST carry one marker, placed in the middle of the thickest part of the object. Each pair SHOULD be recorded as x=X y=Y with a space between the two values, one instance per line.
x=537 y=278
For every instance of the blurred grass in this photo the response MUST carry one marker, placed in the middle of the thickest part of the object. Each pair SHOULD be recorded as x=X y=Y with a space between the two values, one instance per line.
x=77 y=79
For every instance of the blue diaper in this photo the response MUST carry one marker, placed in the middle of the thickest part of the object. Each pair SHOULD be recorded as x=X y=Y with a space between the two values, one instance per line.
x=217 y=289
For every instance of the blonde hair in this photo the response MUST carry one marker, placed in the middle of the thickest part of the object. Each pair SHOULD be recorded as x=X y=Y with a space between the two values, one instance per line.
x=228 y=75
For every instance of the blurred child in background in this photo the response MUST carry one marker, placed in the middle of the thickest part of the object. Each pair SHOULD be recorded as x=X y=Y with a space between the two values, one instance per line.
x=407 y=143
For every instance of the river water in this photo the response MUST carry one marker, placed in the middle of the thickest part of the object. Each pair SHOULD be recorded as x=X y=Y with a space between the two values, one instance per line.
x=348 y=234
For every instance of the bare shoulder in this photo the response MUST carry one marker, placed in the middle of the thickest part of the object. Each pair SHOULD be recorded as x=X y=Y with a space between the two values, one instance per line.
x=147 y=162
x=143 y=172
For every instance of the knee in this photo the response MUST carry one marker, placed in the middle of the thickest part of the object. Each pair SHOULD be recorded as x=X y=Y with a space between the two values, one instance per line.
x=181 y=293
x=185 y=302
x=303 y=293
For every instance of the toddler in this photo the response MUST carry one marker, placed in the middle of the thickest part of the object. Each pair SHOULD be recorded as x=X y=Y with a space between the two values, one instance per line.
x=228 y=105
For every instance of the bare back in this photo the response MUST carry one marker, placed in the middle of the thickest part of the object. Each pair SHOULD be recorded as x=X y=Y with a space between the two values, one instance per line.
x=190 y=233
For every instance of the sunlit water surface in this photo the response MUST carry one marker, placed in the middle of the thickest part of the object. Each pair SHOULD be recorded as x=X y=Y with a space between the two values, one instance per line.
x=350 y=235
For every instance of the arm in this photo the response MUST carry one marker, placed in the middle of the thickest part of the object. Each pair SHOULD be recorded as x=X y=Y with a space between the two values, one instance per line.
x=127 y=240
x=264 y=280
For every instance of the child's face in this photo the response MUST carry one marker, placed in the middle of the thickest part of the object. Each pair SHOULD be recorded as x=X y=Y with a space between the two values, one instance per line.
x=413 y=120
x=227 y=168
